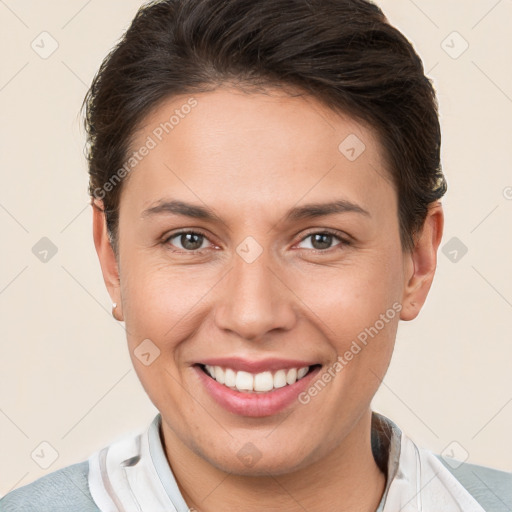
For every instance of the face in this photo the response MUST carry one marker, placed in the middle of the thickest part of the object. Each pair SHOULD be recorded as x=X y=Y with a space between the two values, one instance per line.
x=251 y=244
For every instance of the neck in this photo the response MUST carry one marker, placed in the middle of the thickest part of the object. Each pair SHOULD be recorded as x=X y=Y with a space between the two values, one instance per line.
x=347 y=479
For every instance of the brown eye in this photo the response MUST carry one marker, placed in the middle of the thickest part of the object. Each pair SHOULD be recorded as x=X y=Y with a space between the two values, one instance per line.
x=189 y=240
x=322 y=241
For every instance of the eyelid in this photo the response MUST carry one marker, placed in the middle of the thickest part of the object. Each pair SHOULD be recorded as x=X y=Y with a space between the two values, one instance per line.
x=184 y=231
x=341 y=236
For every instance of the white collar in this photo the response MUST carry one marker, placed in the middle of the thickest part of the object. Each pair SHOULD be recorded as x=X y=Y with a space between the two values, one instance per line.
x=132 y=474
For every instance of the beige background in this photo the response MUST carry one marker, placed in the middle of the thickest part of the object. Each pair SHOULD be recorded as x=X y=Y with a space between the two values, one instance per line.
x=66 y=377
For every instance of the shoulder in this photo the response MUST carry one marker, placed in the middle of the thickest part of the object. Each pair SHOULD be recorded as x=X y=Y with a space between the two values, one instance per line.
x=61 y=491
x=491 y=487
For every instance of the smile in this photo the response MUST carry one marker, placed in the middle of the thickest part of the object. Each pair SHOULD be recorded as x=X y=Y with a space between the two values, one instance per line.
x=256 y=382
x=255 y=388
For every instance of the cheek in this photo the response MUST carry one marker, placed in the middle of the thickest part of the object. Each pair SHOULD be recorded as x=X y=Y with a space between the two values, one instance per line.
x=165 y=304
x=346 y=300
x=357 y=308
x=152 y=303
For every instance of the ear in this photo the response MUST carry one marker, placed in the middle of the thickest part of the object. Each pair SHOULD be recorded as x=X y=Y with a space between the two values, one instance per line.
x=420 y=264
x=108 y=262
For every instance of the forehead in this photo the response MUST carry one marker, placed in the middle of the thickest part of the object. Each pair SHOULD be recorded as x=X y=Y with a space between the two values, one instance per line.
x=252 y=148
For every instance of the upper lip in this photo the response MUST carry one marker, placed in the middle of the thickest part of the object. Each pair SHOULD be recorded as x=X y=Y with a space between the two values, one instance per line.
x=253 y=366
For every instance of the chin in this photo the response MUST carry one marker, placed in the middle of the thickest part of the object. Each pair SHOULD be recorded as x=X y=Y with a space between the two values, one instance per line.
x=249 y=461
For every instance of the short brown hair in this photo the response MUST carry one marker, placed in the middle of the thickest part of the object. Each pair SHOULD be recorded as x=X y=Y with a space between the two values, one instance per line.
x=342 y=52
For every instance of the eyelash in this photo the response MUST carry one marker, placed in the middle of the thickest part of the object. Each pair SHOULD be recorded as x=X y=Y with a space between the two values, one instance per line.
x=336 y=234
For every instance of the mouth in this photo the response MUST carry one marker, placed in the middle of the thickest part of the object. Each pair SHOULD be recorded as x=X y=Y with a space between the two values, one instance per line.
x=255 y=389
x=262 y=382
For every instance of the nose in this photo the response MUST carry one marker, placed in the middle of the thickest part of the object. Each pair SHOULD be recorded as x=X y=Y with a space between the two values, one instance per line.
x=255 y=300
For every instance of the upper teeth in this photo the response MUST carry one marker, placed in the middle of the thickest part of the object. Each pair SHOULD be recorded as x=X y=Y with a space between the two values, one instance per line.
x=265 y=381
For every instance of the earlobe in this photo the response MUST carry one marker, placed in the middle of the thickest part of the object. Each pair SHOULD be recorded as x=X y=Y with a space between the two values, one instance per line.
x=421 y=262
x=106 y=256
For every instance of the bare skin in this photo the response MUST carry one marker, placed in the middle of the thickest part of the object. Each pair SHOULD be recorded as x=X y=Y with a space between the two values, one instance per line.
x=251 y=158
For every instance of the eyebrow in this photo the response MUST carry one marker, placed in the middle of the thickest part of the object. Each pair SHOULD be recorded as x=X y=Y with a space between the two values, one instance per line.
x=313 y=210
x=307 y=211
x=181 y=208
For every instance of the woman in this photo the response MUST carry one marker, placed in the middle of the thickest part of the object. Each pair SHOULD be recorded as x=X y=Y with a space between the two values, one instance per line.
x=265 y=180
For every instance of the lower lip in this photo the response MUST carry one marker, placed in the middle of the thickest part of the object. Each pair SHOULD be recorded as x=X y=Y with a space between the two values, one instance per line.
x=255 y=404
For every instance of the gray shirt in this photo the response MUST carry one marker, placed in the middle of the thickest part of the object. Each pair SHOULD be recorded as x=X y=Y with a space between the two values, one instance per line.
x=67 y=489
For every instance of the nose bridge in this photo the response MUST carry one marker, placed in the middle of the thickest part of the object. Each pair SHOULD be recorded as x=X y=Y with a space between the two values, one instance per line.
x=255 y=301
